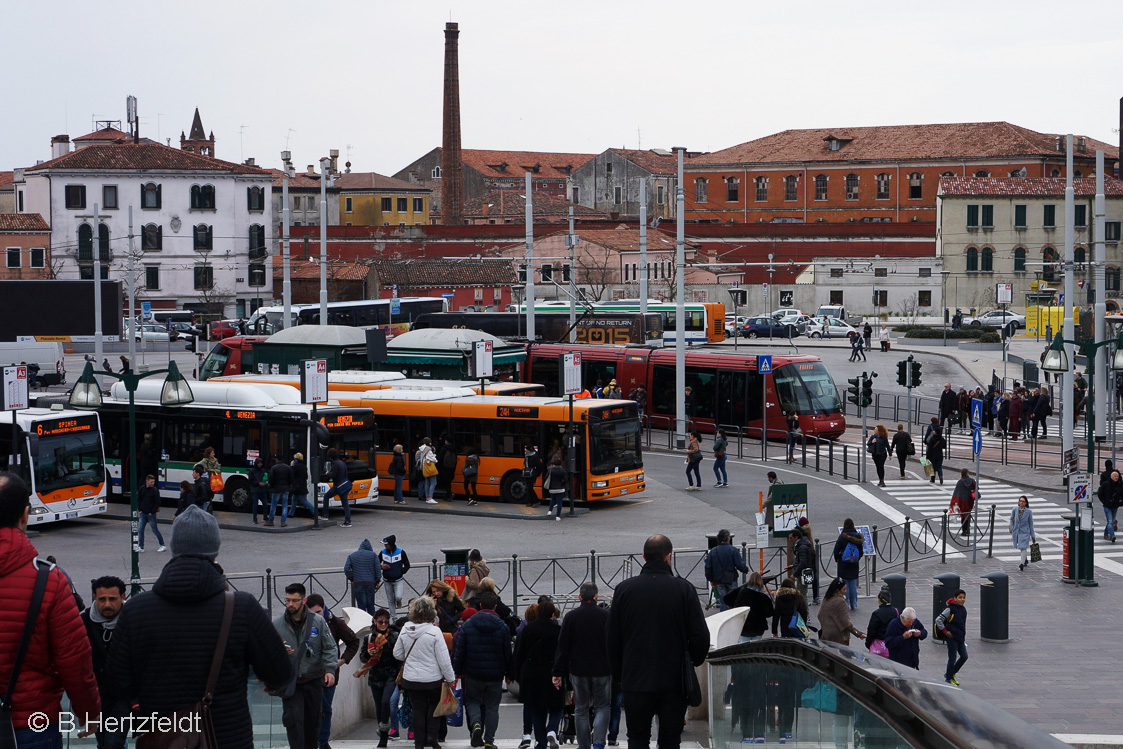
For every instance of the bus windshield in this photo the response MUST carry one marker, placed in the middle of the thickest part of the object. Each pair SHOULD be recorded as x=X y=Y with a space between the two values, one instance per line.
x=614 y=446
x=69 y=460
x=356 y=450
x=816 y=395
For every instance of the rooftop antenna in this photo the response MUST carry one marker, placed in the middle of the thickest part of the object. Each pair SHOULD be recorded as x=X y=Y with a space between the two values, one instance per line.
x=241 y=145
x=639 y=139
x=288 y=138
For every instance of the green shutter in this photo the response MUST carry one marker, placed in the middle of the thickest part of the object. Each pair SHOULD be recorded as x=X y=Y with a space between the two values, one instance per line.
x=972 y=216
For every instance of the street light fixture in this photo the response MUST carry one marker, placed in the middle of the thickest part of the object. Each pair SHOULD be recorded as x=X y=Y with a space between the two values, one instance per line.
x=86 y=395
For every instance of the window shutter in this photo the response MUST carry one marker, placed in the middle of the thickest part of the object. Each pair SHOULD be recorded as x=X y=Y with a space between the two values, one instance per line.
x=159 y=197
x=160 y=237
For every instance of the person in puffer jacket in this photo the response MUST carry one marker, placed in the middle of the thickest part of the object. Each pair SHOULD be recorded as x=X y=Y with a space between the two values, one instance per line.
x=425 y=664
x=363 y=570
x=482 y=659
x=58 y=657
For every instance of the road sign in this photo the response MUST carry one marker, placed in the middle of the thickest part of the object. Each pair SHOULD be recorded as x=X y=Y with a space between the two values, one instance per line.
x=1061 y=299
x=977 y=441
x=764 y=364
x=1004 y=293
x=145 y=310
x=976 y=412
x=1079 y=485
x=867 y=538
x=395 y=306
x=314 y=380
x=1070 y=462
x=483 y=360
x=571 y=373
x=15 y=387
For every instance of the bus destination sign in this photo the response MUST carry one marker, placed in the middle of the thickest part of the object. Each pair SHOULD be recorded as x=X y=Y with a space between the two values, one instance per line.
x=241 y=414
x=65 y=426
x=517 y=412
x=344 y=421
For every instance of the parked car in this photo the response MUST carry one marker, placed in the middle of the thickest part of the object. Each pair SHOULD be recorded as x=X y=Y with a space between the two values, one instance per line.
x=733 y=323
x=225 y=328
x=783 y=314
x=792 y=317
x=996 y=319
x=153 y=332
x=766 y=327
x=186 y=330
x=836 y=311
x=839 y=329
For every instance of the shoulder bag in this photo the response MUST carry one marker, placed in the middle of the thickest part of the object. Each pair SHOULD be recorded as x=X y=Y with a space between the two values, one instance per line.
x=198 y=714
x=402 y=668
x=7 y=727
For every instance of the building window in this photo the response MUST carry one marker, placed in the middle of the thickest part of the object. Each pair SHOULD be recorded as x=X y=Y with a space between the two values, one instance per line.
x=296 y=202
x=109 y=197
x=150 y=196
x=152 y=238
x=1077 y=174
x=576 y=198
x=881 y=273
x=436 y=173
x=836 y=296
x=700 y=190
x=38 y=257
x=1081 y=215
x=982 y=173
x=255 y=198
x=103 y=243
x=203 y=236
x=820 y=187
x=972 y=260
x=790 y=187
x=419 y=205
x=257 y=241
x=988 y=216
x=14 y=257
x=204 y=277
x=1049 y=216
x=732 y=189
x=75 y=196
x=616 y=195
x=202 y=197
x=152 y=277
x=85 y=244
x=988 y=260
x=915 y=186
x=310 y=204
x=972 y=216
x=347 y=205
x=1020 y=211
x=257 y=274
x=761 y=189
x=836 y=273
x=403 y=205
x=1019 y=259
x=86 y=272
x=659 y=198
x=387 y=205
x=882 y=186
x=1112 y=278
x=1055 y=173
x=1078 y=255
x=924 y=298
x=608 y=167
x=925 y=273
x=19 y=201
x=851 y=186
x=880 y=298
x=1111 y=231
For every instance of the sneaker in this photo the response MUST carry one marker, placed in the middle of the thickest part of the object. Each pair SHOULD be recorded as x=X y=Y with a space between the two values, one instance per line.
x=284 y=525
x=345 y=525
x=140 y=549
x=268 y=524
x=394 y=733
x=816 y=602
x=717 y=485
x=477 y=735
x=431 y=501
x=410 y=735
x=558 y=518
x=552 y=740
x=613 y=742
x=953 y=681
x=525 y=743
x=162 y=548
x=324 y=745
x=598 y=746
x=472 y=503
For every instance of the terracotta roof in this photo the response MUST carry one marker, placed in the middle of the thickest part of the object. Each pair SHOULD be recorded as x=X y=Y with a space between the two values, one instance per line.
x=300 y=180
x=440 y=272
x=626 y=239
x=143 y=157
x=500 y=164
x=310 y=269
x=509 y=203
x=1053 y=187
x=23 y=222
x=6 y=179
x=373 y=181
x=107 y=133
x=964 y=140
x=656 y=163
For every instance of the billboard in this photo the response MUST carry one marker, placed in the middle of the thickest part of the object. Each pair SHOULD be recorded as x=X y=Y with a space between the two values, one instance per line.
x=58 y=310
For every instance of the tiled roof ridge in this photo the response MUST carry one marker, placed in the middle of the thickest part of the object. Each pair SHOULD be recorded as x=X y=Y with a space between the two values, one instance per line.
x=86 y=158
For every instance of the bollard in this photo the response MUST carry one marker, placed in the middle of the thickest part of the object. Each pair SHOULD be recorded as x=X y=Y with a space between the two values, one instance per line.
x=944 y=539
x=896 y=585
x=990 y=542
x=945 y=587
x=994 y=607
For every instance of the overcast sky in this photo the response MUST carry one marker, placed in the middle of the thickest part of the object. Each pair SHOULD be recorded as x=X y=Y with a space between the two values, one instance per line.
x=574 y=76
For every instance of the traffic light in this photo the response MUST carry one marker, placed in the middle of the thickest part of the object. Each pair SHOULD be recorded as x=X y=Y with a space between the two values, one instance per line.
x=547 y=273
x=854 y=391
x=867 y=390
x=567 y=273
x=903 y=373
x=915 y=373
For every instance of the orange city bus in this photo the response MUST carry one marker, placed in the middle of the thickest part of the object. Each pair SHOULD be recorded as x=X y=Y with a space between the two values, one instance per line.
x=343 y=384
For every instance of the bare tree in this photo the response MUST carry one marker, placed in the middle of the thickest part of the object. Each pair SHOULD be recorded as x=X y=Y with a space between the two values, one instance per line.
x=215 y=300
x=597 y=273
x=909 y=309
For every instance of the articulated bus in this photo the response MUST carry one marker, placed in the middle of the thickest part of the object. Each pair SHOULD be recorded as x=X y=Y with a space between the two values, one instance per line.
x=343 y=384
x=705 y=323
x=726 y=387
x=365 y=314
x=61 y=459
x=553 y=326
x=241 y=422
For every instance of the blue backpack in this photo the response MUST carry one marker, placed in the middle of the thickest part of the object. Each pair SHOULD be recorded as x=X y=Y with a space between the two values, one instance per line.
x=851 y=553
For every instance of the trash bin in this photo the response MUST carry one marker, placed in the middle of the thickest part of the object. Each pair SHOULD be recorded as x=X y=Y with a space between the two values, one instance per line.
x=994 y=607
x=1068 y=550
x=896 y=585
x=945 y=587
x=455 y=571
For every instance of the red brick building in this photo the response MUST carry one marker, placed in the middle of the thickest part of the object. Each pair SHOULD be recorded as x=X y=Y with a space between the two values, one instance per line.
x=25 y=239
x=465 y=282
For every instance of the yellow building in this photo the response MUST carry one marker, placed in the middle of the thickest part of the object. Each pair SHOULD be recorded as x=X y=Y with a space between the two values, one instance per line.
x=369 y=199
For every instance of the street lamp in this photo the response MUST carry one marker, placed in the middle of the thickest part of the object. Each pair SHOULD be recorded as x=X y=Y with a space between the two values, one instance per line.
x=944 y=301
x=86 y=395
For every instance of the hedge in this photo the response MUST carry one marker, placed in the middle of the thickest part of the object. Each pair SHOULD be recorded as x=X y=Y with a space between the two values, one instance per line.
x=931 y=333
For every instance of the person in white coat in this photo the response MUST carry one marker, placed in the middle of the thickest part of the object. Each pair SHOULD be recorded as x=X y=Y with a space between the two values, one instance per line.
x=1021 y=529
x=425 y=664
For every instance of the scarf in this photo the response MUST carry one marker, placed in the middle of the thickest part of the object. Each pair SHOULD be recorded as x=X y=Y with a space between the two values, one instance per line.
x=107 y=624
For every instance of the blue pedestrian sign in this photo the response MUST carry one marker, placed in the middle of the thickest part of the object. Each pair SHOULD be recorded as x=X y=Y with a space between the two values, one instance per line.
x=976 y=412
x=977 y=442
x=764 y=364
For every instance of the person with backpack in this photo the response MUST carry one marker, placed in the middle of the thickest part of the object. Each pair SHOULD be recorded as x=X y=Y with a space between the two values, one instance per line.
x=398 y=471
x=803 y=561
x=555 y=483
x=340 y=486
x=789 y=602
x=532 y=469
x=878 y=446
x=934 y=454
x=471 y=472
x=280 y=483
x=847 y=552
x=951 y=625
x=903 y=446
x=721 y=566
x=202 y=487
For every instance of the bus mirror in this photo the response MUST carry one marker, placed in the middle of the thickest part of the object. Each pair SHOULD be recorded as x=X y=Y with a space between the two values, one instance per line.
x=33 y=444
x=320 y=432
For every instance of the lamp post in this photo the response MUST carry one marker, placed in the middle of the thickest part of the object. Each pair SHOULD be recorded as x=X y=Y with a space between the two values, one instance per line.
x=86 y=395
x=1057 y=362
x=944 y=300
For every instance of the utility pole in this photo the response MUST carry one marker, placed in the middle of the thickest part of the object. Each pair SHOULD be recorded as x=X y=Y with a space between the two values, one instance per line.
x=680 y=307
x=571 y=241
x=1099 y=271
x=325 y=166
x=529 y=261
x=99 y=349
x=643 y=246
x=1068 y=414
x=286 y=246
x=132 y=296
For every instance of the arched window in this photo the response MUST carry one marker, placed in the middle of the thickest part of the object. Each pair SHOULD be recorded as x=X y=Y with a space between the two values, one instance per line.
x=947 y=174
x=1077 y=174
x=202 y=197
x=982 y=173
x=820 y=187
x=988 y=259
x=882 y=186
x=916 y=180
x=851 y=186
x=103 y=243
x=152 y=238
x=255 y=199
x=1078 y=255
x=1019 y=259
x=1055 y=173
x=203 y=236
x=85 y=244
x=972 y=259
x=700 y=190
x=732 y=189
x=791 y=183
x=150 y=196
x=436 y=172
x=761 y=184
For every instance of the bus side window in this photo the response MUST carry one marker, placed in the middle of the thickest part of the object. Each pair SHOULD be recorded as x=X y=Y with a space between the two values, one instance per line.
x=238 y=438
x=391 y=431
x=190 y=439
x=545 y=369
x=513 y=434
x=473 y=436
x=703 y=384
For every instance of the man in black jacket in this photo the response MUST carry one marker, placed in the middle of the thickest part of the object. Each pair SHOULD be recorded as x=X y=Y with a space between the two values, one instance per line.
x=165 y=638
x=280 y=482
x=583 y=654
x=340 y=486
x=482 y=659
x=949 y=403
x=654 y=624
x=148 y=504
x=100 y=620
x=721 y=567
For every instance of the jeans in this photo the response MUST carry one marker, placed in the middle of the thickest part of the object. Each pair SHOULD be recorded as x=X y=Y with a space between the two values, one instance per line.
x=481 y=704
x=302 y=500
x=394 y=590
x=340 y=491
x=147 y=518
x=614 y=715
x=852 y=593
x=1109 y=515
x=48 y=739
x=720 y=473
x=425 y=726
x=426 y=487
x=557 y=499
x=721 y=590
x=301 y=714
x=598 y=691
x=692 y=468
x=938 y=467
x=363 y=593
x=325 y=716
x=641 y=707
x=955 y=648
x=282 y=499
x=545 y=721
x=384 y=703
x=395 y=700
x=398 y=497
x=258 y=496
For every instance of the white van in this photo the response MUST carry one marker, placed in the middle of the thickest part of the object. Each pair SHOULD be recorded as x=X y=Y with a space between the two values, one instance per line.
x=49 y=357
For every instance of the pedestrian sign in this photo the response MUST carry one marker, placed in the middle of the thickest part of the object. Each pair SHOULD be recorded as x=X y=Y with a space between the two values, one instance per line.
x=976 y=412
x=977 y=442
x=1078 y=488
x=764 y=364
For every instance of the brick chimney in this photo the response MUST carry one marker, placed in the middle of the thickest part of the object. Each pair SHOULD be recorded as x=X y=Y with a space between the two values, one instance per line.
x=452 y=188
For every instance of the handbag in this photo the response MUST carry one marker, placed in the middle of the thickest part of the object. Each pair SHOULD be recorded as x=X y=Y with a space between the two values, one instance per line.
x=429 y=468
x=456 y=719
x=797 y=625
x=199 y=714
x=1035 y=552
x=448 y=702
x=402 y=668
x=877 y=647
x=216 y=482
x=695 y=457
x=7 y=727
x=911 y=450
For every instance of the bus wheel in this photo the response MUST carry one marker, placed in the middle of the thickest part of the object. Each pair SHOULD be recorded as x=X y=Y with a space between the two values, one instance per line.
x=236 y=495
x=514 y=488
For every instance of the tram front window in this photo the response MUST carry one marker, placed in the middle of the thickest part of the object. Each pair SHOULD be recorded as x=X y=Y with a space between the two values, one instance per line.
x=806 y=388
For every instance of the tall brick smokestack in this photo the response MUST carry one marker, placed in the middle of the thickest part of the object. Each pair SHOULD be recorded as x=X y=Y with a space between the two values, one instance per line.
x=452 y=187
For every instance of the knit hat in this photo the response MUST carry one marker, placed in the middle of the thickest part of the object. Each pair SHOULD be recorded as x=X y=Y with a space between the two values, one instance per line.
x=884 y=596
x=390 y=540
x=468 y=613
x=195 y=533
x=804 y=521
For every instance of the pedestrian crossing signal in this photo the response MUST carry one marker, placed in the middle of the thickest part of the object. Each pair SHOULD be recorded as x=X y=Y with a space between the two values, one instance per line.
x=854 y=391
x=903 y=373
x=867 y=391
x=915 y=374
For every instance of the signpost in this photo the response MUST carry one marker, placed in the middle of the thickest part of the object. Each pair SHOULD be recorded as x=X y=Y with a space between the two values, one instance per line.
x=789 y=504
x=1079 y=485
x=395 y=306
x=976 y=413
x=570 y=366
x=314 y=390
x=976 y=448
x=764 y=367
x=1071 y=461
x=15 y=398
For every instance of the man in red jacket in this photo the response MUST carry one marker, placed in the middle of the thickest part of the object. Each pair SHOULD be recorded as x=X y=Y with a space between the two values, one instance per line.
x=58 y=656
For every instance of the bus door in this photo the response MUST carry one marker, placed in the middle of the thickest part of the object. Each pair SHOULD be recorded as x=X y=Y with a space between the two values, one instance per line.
x=603 y=372
x=286 y=439
x=151 y=453
x=544 y=371
x=732 y=388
